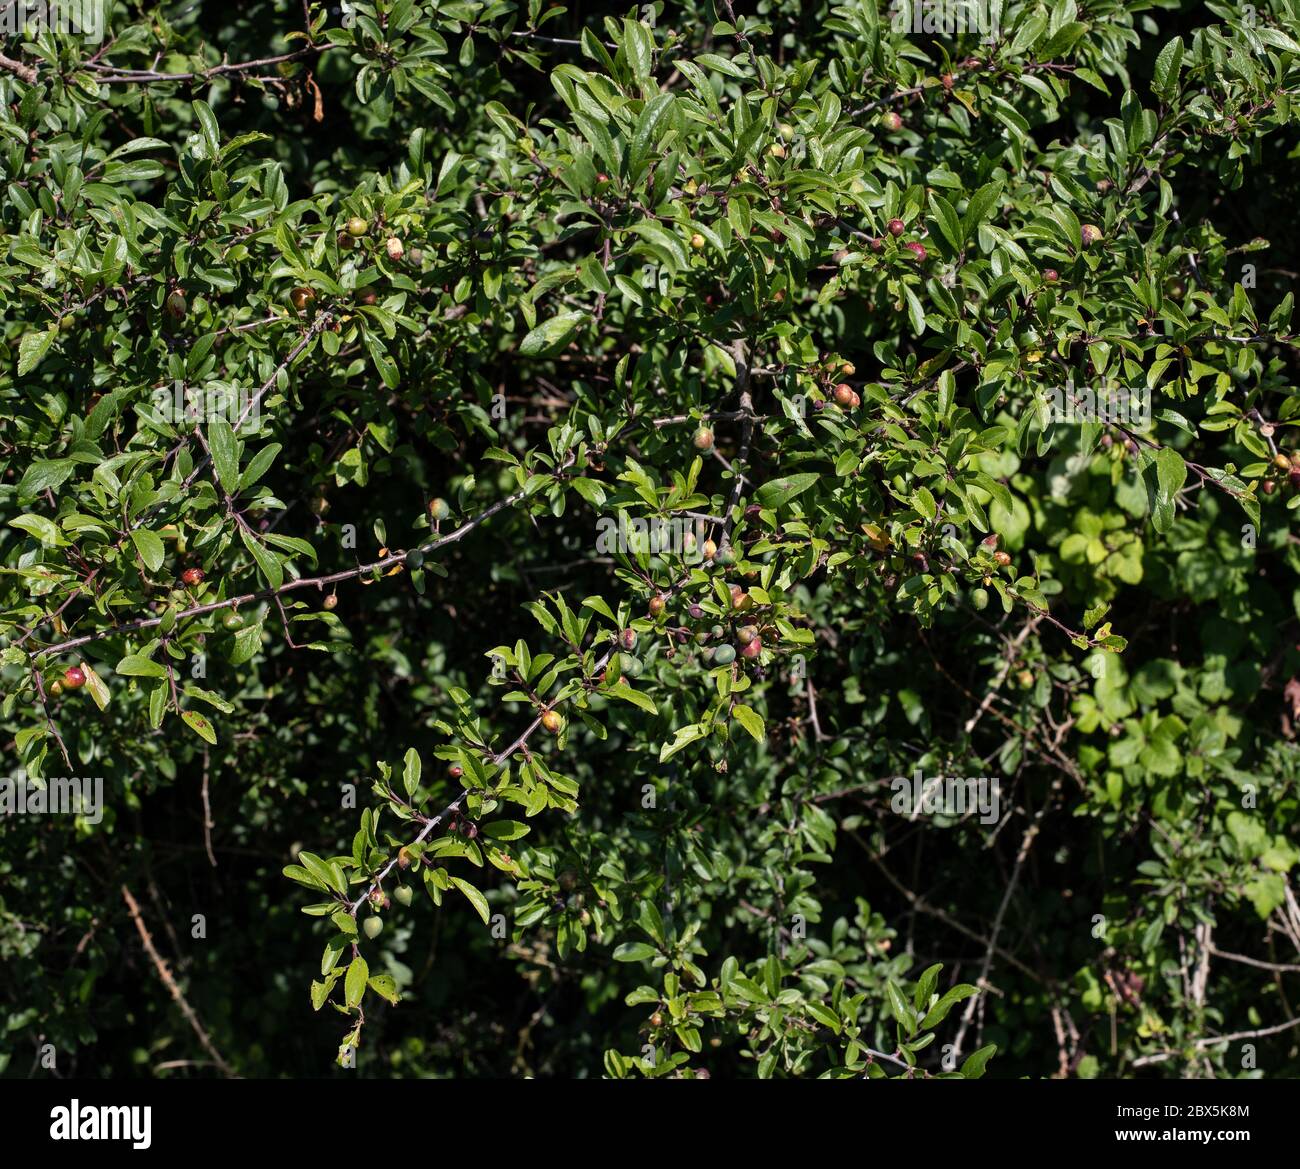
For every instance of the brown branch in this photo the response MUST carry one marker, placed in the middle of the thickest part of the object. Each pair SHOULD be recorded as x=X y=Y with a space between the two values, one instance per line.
x=317 y=326
x=289 y=586
x=22 y=72
x=494 y=760
x=109 y=74
x=207 y=812
x=170 y=983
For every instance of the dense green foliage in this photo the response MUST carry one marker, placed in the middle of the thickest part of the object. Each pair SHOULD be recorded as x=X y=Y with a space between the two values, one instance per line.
x=492 y=287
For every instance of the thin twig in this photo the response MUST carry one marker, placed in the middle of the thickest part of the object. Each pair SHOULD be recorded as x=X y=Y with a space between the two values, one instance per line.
x=170 y=983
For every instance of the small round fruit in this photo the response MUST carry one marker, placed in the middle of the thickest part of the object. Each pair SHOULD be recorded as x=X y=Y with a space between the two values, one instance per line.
x=552 y=721
x=844 y=394
x=948 y=81
x=192 y=576
x=703 y=439
x=1281 y=462
x=395 y=249
x=439 y=510
x=724 y=556
x=746 y=633
x=1003 y=558
x=891 y=122
x=1025 y=679
x=356 y=227
x=1268 y=487
x=656 y=1020
x=847 y=369
x=741 y=601
x=176 y=305
x=724 y=655
x=753 y=649
x=657 y=605
x=627 y=639
x=373 y=926
x=918 y=250
x=990 y=542
x=708 y=549
x=56 y=688
x=980 y=598
x=897 y=227
x=631 y=666
x=697 y=241
x=74 y=677
x=414 y=558
x=776 y=150
x=584 y=917
x=455 y=771
x=854 y=401
x=302 y=298
x=1051 y=275
x=403 y=894
x=331 y=602
x=232 y=621
x=1089 y=234
x=366 y=296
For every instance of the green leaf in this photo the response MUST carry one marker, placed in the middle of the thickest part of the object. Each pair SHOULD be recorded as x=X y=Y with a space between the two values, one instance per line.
x=150 y=547
x=225 y=453
x=95 y=686
x=385 y=987
x=199 y=725
x=303 y=877
x=267 y=561
x=32 y=347
x=683 y=738
x=925 y=985
x=779 y=492
x=978 y=207
x=634 y=952
x=1170 y=475
x=258 y=465
x=635 y=697
x=1165 y=76
x=947 y=1001
x=899 y=1009
x=44 y=475
x=824 y=1015
x=411 y=772
x=751 y=720
x=354 y=985
x=551 y=336
x=476 y=899
x=134 y=666
x=973 y=1066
